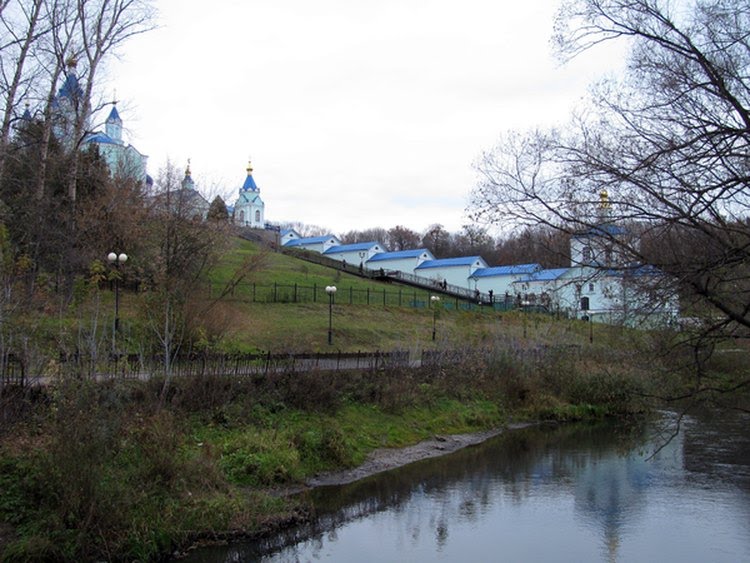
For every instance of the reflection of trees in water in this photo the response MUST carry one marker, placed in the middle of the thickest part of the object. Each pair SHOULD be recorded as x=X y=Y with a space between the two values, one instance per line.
x=721 y=449
x=462 y=486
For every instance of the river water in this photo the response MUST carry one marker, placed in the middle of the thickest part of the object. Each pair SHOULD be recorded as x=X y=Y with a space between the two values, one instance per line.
x=578 y=493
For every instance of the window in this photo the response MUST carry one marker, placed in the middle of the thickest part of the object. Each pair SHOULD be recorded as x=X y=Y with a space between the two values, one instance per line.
x=584 y=303
x=257 y=216
x=586 y=254
x=592 y=288
x=242 y=217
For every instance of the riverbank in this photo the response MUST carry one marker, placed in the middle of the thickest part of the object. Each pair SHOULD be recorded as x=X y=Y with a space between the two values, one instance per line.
x=117 y=470
x=385 y=459
x=378 y=461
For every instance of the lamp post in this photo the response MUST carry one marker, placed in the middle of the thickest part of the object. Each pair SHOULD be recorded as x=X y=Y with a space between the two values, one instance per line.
x=331 y=291
x=434 y=299
x=524 y=305
x=116 y=260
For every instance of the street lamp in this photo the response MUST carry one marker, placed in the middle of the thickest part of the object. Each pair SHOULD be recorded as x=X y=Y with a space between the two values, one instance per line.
x=524 y=305
x=116 y=260
x=435 y=299
x=331 y=291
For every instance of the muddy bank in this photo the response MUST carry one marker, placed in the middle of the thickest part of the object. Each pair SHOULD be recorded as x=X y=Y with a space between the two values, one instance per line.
x=378 y=461
x=385 y=459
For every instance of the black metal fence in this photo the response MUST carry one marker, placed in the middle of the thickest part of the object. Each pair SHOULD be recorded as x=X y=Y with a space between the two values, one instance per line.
x=386 y=297
x=452 y=294
x=14 y=372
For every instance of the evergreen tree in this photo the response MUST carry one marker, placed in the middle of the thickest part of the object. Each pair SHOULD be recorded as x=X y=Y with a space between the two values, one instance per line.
x=218 y=212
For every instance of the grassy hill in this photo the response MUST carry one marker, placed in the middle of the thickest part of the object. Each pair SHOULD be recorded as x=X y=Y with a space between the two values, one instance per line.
x=249 y=319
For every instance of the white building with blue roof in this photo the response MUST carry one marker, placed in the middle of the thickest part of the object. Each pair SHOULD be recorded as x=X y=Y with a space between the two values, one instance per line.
x=315 y=244
x=123 y=159
x=452 y=271
x=249 y=209
x=355 y=254
x=400 y=261
x=499 y=279
x=554 y=288
x=288 y=235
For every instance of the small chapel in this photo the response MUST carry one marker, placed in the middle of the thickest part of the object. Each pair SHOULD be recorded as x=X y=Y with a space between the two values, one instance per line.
x=249 y=209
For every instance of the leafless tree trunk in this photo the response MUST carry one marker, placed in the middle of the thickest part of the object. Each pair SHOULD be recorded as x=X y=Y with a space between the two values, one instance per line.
x=103 y=25
x=22 y=33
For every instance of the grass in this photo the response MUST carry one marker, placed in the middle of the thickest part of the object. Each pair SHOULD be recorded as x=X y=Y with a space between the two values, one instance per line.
x=304 y=326
x=111 y=471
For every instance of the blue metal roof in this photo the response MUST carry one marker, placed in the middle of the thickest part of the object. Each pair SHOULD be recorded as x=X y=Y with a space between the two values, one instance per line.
x=308 y=240
x=448 y=262
x=636 y=270
x=603 y=230
x=506 y=270
x=545 y=275
x=114 y=115
x=100 y=137
x=71 y=88
x=351 y=247
x=416 y=253
x=249 y=184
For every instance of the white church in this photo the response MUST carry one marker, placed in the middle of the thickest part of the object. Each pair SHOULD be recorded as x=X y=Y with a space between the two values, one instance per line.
x=122 y=158
x=249 y=209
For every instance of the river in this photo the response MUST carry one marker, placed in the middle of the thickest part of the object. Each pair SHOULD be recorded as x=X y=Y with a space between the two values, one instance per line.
x=605 y=492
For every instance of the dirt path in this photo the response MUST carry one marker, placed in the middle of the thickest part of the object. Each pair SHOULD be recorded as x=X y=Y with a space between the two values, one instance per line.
x=385 y=459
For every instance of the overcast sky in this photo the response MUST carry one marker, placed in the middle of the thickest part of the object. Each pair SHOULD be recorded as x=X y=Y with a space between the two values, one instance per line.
x=355 y=114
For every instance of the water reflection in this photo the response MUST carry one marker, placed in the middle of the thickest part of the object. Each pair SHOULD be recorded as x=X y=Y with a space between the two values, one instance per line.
x=574 y=493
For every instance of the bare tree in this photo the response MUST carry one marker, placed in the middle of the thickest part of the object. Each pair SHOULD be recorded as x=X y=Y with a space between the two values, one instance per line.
x=21 y=29
x=376 y=234
x=402 y=238
x=668 y=144
x=437 y=240
x=661 y=151
x=103 y=26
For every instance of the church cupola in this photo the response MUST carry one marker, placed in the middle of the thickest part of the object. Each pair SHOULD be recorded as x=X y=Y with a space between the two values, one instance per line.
x=187 y=181
x=113 y=126
x=249 y=184
x=71 y=90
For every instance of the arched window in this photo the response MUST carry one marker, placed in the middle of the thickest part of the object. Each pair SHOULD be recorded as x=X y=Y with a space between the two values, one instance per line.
x=584 y=303
x=242 y=217
x=257 y=216
x=586 y=254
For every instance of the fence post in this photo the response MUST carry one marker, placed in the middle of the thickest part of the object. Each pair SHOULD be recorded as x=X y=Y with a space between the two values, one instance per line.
x=368 y=295
x=351 y=290
x=383 y=297
x=253 y=292
x=399 y=297
x=295 y=292
x=275 y=292
x=315 y=293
